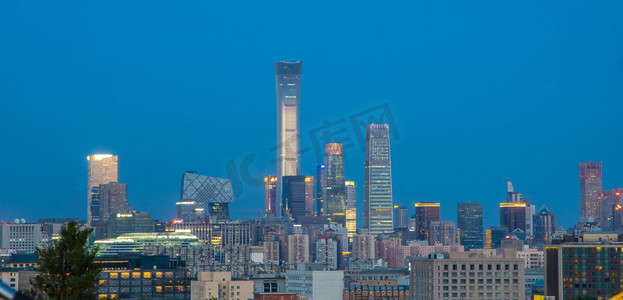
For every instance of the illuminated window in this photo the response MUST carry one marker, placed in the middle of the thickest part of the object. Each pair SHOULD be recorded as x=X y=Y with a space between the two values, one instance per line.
x=114 y=275
x=136 y=275
x=158 y=274
x=158 y=289
x=125 y=275
x=147 y=275
x=102 y=283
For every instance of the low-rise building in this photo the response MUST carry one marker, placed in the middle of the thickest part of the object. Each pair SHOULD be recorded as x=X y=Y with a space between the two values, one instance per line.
x=376 y=289
x=220 y=286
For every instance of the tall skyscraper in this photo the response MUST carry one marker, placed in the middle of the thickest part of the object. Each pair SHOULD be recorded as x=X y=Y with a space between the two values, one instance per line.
x=351 y=208
x=310 y=198
x=377 y=197
x=321 y=189
x=425 y=212
x=470 y=227
x=210 y=193
x=270 y=195
x=102 y=169
x=513 y=216
x=590 y=190
x=294 y=196
x=288 y=84
x=336 y=187
x=401 y=217
x=113 y=200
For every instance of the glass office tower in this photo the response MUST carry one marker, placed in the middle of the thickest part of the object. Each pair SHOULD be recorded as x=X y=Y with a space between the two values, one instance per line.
x=336 y=186
x=377 y=198
x=288 y=84
x=470 y=228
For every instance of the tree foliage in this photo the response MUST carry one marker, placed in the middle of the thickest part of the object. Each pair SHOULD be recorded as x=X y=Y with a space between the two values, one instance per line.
x=67 y=268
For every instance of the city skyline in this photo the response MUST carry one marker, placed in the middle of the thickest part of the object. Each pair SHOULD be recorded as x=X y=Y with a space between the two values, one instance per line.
x=483 y=127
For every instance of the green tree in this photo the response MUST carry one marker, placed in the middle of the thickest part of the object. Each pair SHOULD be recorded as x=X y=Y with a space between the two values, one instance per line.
x=67 y=268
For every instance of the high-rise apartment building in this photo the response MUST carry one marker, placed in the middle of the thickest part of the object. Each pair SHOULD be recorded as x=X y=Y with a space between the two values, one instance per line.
x=288 y=85
x=297 y=248
x=470 y=226
x=513 y=216
x=364 y=245
x=442 y=232
x=377 y=198
x=336 y=187
x=351 y=208
x=210 y=193
x=321 y=189
x=270 y=195
x=425 y=212
x=401 y=217
x=590 y=190
x=102 y=169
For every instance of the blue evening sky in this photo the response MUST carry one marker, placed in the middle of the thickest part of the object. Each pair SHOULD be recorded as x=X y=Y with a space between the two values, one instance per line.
x=478 y=91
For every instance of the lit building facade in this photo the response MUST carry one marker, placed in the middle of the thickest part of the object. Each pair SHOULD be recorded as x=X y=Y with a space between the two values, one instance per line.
x=209 y=193
x=270 y=195
x=351 y=208
x=377 y=199
x=220 y=233
x=470 y=225
x=425 y=212
x=102 y=169
x=584 y=269
x=590 y=190
x=336 y=187
x=288 y=86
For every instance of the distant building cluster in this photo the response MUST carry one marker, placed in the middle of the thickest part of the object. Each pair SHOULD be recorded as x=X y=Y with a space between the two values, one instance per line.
x=307 y=243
